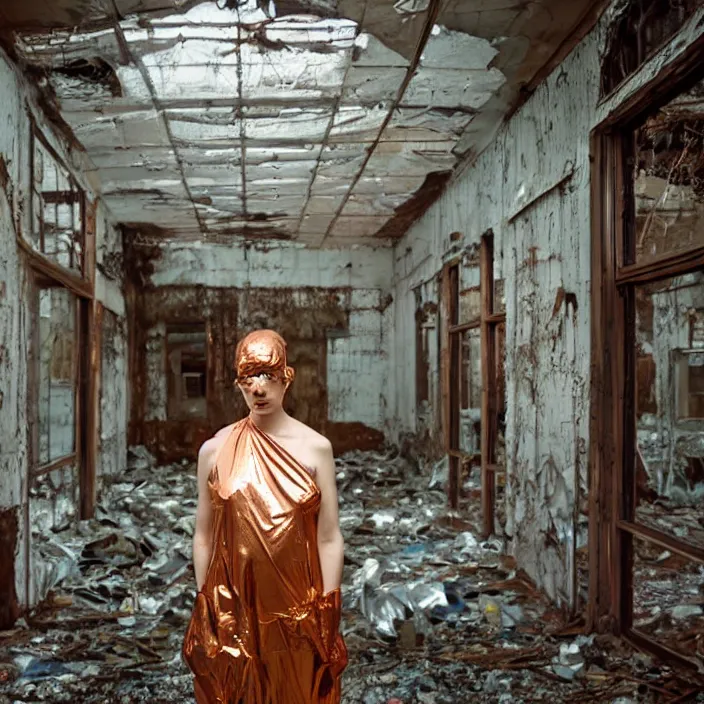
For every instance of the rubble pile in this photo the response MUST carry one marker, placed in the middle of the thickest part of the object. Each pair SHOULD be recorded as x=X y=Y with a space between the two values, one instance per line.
x=431 y=614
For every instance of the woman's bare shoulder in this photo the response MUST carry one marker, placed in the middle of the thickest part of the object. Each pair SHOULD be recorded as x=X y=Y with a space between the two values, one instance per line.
x=312 y=437
x=210 y=447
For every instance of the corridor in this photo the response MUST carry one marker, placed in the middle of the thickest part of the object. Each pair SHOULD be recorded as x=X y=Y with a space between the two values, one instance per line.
x=478 y=225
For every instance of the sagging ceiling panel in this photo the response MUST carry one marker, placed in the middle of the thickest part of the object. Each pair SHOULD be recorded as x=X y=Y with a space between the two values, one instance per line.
x=332 y=123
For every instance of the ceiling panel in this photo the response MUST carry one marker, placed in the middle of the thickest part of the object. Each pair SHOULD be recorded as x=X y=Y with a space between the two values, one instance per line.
x=207 y=121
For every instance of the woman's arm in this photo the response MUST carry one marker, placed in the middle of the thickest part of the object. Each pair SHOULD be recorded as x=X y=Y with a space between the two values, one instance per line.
x=202 y=537
x=331 y=545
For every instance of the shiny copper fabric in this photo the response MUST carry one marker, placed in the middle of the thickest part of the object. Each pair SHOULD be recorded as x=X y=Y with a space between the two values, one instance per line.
x=262 y=351
x=262 y=631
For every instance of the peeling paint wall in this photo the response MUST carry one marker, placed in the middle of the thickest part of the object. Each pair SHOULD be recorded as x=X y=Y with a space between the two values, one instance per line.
x=112 y=446
x=531 y=187
x=17 y=103
x=114 y=385
x=14 y=320
x=332 y=306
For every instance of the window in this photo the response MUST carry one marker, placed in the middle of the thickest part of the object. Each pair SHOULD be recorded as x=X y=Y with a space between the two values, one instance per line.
x=473 y=378
x=186 y=347
x=57 y=210
x=422 y=365
x=689 y=383
x=647 y=372
x=57 y=374
x=643 y=27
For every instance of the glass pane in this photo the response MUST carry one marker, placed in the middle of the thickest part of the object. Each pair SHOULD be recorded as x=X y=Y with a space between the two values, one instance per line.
x=670 y=406
x=470 y=391
x=470 y=305
x=57 y=374
x=668 y=179
x=499 y=293
x=470 y=300
x=56 y=211
x=499 y=296
x=667 y=599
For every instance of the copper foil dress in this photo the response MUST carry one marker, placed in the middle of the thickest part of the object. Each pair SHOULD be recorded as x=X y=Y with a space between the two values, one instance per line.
x=262 y=631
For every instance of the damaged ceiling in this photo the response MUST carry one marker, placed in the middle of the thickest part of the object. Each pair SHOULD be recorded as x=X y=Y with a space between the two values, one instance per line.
x=328 y=122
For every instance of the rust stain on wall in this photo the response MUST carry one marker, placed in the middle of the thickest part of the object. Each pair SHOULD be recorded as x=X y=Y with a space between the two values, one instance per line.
x=353 y=436
x=170 y=441
x=9 y=608
x=302 y=316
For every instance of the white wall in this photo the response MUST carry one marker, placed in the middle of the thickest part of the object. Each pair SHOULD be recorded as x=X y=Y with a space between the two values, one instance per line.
x=14 y=315
x=114 y=384
x=358 y=367
x=15 y=296
x=531 y=186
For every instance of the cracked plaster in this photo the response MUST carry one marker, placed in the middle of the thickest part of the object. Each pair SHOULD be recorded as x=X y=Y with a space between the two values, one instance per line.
x=176 y=108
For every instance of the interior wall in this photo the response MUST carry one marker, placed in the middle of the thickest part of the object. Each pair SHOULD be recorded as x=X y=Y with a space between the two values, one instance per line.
x=332 y=307
x=14 y=320
x=17 y=109
x=531 y=187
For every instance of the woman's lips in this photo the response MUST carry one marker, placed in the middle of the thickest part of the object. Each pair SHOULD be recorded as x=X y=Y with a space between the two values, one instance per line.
x=261 y=404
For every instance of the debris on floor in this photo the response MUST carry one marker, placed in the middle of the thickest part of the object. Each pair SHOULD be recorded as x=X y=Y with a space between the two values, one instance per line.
x=431 y=614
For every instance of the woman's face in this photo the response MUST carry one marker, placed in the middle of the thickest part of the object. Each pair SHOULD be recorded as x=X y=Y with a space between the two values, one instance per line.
x=264 y=393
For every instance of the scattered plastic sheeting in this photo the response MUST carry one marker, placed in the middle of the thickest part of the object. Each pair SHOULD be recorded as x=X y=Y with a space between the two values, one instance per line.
x=432 y=615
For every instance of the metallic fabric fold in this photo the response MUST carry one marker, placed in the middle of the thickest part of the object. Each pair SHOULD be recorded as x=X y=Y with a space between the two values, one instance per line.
x=262 y=630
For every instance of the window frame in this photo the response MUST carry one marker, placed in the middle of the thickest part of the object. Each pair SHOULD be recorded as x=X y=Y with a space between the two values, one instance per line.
x=613 y=526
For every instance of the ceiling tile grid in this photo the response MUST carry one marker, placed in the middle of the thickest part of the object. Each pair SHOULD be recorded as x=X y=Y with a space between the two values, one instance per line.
x=218 y=120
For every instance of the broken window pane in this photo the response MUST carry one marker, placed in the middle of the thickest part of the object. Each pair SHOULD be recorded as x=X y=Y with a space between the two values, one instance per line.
x=471 y=391
x=470 y=299
x=186 y=349
x=470 y=305
x=670 y=406
x=422 y=368
x=689 y=384
x=499 y=296
x=57 y=374
x=668 y=179
x=57 y=212
x=644 y=26
x=667 y=599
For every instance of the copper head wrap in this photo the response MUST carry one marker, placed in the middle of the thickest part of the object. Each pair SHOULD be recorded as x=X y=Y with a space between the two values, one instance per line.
x=262 y=352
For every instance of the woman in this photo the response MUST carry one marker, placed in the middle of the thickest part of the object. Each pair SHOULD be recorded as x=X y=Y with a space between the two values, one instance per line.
x=267 y=550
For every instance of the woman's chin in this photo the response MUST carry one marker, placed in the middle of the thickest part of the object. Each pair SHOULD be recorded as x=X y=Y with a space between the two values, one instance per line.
x=264 y=409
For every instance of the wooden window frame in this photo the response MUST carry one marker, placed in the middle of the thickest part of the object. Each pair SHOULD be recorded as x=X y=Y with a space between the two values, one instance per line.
x=422 y=365
x=613 y=457
x=605 y=93
x=487 y=323
x=46 y=272
x=57 y=196
x=451 y=357
x=491 y=320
